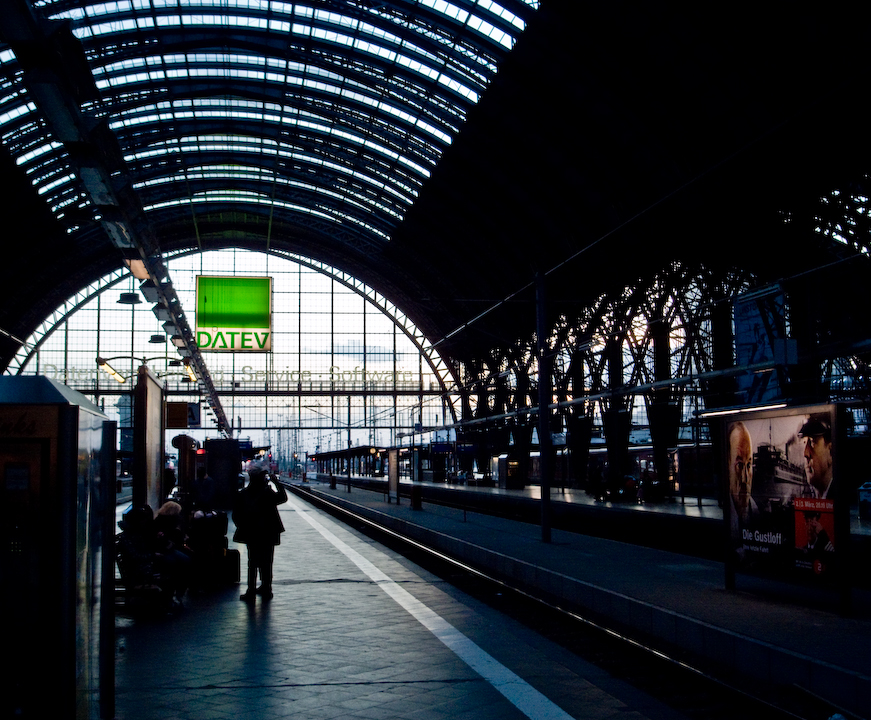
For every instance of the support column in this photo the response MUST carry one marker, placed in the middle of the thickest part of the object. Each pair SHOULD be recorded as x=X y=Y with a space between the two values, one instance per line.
x=545 y=393
x=616 y=419
x=663 y=411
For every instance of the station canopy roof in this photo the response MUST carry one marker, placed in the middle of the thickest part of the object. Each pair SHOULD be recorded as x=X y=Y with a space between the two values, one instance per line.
x=444 y=153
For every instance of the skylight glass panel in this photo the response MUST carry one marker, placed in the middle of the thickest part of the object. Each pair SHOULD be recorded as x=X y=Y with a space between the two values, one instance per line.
x=15 y=113
x=224 y=71
x=205 y=144
x=56 y=183
x=381 y=132
x=490 y=31
x=107 y=28
x=254 y=198
x=32 y=154
x=503 y=13
x=219 y=172
x=107 y=8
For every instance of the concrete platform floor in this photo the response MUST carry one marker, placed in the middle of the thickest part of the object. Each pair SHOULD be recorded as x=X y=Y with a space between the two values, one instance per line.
x=354 y=631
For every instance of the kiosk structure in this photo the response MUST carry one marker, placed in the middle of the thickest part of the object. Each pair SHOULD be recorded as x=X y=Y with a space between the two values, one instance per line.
x=57 y=459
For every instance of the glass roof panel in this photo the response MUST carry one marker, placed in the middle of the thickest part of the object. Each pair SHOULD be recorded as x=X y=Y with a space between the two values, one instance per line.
x=370 y=94
x=255 y=147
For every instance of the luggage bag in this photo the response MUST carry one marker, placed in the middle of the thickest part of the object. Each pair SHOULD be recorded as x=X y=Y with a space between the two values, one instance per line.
x=232 y=566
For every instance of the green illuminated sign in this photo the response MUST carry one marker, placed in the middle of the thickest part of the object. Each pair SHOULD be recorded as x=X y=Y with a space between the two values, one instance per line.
x=234 y=314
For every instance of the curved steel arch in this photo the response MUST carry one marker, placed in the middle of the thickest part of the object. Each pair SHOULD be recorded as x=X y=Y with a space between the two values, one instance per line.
x=200 y=178
x=443 y=371
x=287 y=198
x=447 y=374
x=260 y=209
x=280 y=74
x=306 y=127
x=60 y=315
x=361 y=113
x=464 y=204
x=181 y=179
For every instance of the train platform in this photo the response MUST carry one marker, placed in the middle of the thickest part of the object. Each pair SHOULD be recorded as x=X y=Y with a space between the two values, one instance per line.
x=353 y=631
x=356 y=631
x=663 y=524
x=762 y=633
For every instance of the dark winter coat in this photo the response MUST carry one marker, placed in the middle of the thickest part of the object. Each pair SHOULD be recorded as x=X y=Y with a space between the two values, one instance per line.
x=255 y=514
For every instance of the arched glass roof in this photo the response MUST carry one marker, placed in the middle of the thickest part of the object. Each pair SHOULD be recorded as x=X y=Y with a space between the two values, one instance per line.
x=331 y=115
x=332 y=334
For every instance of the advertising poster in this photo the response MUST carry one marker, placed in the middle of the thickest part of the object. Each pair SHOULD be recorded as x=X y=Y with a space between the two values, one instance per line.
x=814 y=535
x=781 y=493
x=234 y=314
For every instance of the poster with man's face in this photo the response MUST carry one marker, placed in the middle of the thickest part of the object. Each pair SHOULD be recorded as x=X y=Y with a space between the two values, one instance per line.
x=780 y=491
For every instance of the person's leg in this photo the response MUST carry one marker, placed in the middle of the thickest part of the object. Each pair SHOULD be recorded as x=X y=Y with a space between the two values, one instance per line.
x=252 y=574
x=267 y=555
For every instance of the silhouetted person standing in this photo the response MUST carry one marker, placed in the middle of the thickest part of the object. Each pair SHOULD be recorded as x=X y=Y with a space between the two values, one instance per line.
x=255 y=514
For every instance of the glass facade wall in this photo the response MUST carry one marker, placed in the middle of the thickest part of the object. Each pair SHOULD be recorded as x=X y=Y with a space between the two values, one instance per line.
x=343 y=368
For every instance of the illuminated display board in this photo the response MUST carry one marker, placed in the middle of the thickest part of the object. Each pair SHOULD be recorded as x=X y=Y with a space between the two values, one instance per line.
x=234 y=314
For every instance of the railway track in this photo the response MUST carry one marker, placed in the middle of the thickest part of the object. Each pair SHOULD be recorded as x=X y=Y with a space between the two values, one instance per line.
x=690 y=690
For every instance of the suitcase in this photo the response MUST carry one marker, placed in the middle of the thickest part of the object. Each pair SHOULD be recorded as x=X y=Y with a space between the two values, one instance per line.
x=232 y=566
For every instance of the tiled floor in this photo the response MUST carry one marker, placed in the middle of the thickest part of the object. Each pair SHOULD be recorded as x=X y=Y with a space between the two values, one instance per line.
x=354 y=631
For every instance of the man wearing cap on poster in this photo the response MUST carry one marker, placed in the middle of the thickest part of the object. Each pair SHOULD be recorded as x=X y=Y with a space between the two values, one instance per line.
x=817 y=432
x=817 y=536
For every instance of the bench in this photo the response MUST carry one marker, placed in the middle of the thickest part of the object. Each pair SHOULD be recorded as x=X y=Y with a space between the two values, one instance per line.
x=135 y=587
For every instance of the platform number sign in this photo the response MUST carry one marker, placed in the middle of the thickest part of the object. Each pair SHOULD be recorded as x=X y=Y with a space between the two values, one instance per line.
x=193 y=415
x=183 y=415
